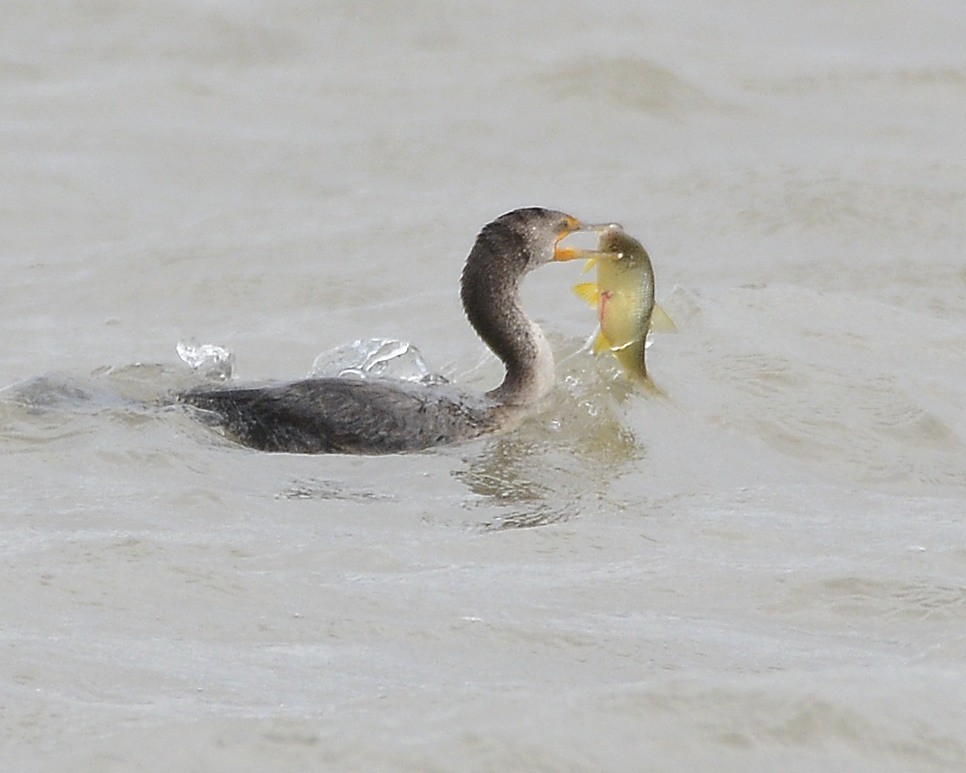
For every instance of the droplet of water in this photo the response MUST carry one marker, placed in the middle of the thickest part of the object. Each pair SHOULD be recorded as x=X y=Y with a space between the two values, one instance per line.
x=375 y=357
x=212 y=362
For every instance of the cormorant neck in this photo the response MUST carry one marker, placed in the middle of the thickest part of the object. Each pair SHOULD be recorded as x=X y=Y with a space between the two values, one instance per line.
x=491 y=299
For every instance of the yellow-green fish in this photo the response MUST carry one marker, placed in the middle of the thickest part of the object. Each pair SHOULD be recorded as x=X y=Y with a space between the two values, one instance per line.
x=624 y=298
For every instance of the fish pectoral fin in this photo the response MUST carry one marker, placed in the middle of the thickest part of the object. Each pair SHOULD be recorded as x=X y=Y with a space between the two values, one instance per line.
x=588 y=291
x=588 y=265
x=661 y=322
x=601 y=343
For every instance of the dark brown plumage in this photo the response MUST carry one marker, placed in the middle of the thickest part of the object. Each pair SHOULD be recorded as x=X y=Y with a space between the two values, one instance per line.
x=376 y=416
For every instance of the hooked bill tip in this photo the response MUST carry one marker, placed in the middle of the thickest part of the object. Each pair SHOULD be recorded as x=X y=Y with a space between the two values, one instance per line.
x=601 y=227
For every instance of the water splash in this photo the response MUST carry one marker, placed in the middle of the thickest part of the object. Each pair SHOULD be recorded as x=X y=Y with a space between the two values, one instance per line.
x=375 y=357
x=214 y=363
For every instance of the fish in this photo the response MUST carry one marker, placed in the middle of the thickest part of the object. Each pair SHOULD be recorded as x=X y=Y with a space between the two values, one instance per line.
x=624 y=298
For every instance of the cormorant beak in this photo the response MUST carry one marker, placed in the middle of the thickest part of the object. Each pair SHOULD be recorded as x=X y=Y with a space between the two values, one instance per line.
x=573 y=253
x=599 y=228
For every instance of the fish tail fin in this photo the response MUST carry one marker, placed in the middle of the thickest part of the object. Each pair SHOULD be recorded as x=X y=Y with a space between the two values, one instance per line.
x=643 y=380
x=650 y=387
x=631 y=358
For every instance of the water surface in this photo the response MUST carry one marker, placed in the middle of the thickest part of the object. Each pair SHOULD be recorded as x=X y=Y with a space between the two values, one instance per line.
x=763 y=570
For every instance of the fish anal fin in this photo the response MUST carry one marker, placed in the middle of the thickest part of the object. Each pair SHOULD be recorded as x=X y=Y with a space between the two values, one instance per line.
x=601 y=344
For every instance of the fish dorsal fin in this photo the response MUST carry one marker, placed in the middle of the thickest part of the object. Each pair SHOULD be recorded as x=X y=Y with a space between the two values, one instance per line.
x=601 y=344
x=661 y=322
x=588 y=291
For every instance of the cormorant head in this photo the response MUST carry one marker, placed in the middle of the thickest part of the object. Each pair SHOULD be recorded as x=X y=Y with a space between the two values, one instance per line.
x=537 y=233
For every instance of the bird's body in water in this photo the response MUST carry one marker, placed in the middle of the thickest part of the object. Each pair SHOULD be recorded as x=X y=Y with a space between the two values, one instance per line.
x=375 y=416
